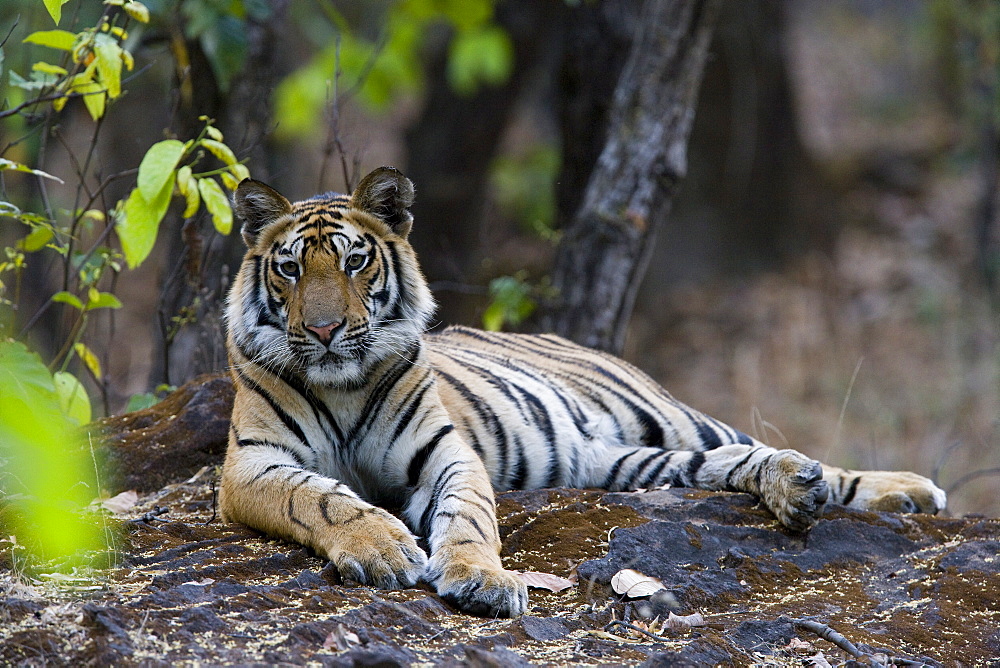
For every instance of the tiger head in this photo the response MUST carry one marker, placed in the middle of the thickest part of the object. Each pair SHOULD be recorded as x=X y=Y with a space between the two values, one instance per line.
x=329 y=286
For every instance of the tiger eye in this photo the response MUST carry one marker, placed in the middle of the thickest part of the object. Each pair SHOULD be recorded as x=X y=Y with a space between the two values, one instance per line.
x=289 y=267
x=355 y=262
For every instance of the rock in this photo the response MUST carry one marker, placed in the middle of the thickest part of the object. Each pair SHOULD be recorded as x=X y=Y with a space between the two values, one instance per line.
x=189 y=589
x=170 y=441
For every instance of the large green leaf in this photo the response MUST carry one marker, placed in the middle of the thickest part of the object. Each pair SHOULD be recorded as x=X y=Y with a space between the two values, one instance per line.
x=55 y=9
x=52 y=476
x=73 y=399
x=157 y=167
x=56 y=39
x=139 y=222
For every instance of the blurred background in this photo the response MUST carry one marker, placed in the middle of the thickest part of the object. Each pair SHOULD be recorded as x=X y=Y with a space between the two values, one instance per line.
x=826 y=280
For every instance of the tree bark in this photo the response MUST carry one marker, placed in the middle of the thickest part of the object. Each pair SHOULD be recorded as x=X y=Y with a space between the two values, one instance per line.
x=606 y=248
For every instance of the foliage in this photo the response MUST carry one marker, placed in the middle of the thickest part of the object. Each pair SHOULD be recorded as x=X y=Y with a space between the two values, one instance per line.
x=42 y=404
x=524 y=186
x=48 y=474
x=513 y=299
x=167 y=170
x=479 y=53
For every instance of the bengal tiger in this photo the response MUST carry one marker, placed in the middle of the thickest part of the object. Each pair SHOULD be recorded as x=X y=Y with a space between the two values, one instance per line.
x=345 y=408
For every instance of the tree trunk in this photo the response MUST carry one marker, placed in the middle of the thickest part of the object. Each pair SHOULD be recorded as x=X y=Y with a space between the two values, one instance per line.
x=605 y=249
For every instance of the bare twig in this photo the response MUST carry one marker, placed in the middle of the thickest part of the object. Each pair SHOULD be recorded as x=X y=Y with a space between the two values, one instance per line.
x=828 y=634
x=633 y=627
x=969 y=477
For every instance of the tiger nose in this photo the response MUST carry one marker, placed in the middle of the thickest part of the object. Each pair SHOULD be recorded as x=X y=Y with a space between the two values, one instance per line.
x=325 y=332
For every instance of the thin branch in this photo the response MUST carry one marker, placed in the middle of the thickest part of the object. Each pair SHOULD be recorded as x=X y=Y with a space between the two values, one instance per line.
x=969 y=477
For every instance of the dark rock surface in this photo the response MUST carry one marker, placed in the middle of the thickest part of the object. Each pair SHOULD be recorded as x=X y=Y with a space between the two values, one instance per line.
x=187 y=589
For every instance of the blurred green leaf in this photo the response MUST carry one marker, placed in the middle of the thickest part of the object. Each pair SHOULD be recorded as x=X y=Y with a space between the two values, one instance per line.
x=137 y=402
x=479 y=56
x=511 y=302
x=51 y=469
x=68 y=298
x=73 y=399
x=36 y=239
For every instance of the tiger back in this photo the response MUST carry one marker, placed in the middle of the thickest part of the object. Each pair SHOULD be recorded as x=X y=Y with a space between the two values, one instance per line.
x=344 y=409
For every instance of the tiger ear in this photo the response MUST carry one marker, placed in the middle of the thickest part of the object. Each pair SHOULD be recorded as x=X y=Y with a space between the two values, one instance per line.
x=388 y=195
x=258 y=205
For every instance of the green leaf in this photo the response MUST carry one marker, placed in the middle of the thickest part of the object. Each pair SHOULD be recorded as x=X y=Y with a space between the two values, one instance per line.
x=55 y=9
x=220 y=151
x=73 y=399
x=108 y=54
x=103 y=300
x=94 y=96
x=483 y=56
x=157 y=167
x=22 y=375
x=36 y=239
x=68 y=298
x=51 y=474
x=47 y=68
x=6 y=164
x=56 y=39
x=217 y=204
x=89 y=359
x=139 y=222
x=137 y=402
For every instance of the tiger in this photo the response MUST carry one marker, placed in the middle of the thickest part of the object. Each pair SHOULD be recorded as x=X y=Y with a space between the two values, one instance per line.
x=354 y=430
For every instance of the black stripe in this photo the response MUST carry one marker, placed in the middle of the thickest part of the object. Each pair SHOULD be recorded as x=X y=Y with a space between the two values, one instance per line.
x=444 y=476
x=851 y=491
x=735 y=469
x=613 y=472
x=272 y=467
x=655 y=472
x=639 y=468
x=411 y=409
x=697 y=461
x=289 y=422
x=245 y=442
x=370 y=413
x=318 y=407
x=420 y=458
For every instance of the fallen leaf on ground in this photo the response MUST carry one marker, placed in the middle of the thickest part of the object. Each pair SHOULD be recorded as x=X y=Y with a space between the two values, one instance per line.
x=548 y=581
x=635 y=584
x=341 y=638
x=120 y=503
x=684 y=621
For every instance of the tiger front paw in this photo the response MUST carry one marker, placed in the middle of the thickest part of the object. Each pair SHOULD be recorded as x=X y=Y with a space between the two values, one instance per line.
x=889 y=491
x=377 y=549
x=793 y=488
x=476 y=589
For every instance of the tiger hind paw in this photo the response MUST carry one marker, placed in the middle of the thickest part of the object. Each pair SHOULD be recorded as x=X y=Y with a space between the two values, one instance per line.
x=888 y=491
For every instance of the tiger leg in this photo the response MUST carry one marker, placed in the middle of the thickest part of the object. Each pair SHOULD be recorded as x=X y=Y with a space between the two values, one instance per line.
x=265 y=488
x=790 y=484
x=453 y=506
x=893 y=491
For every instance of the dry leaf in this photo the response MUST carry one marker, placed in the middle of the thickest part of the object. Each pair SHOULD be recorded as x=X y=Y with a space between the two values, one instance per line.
x=634 y=584
x=684 y=621
x=548 y=581
x=122 y=502
x=341 y=638
x=818 y=660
